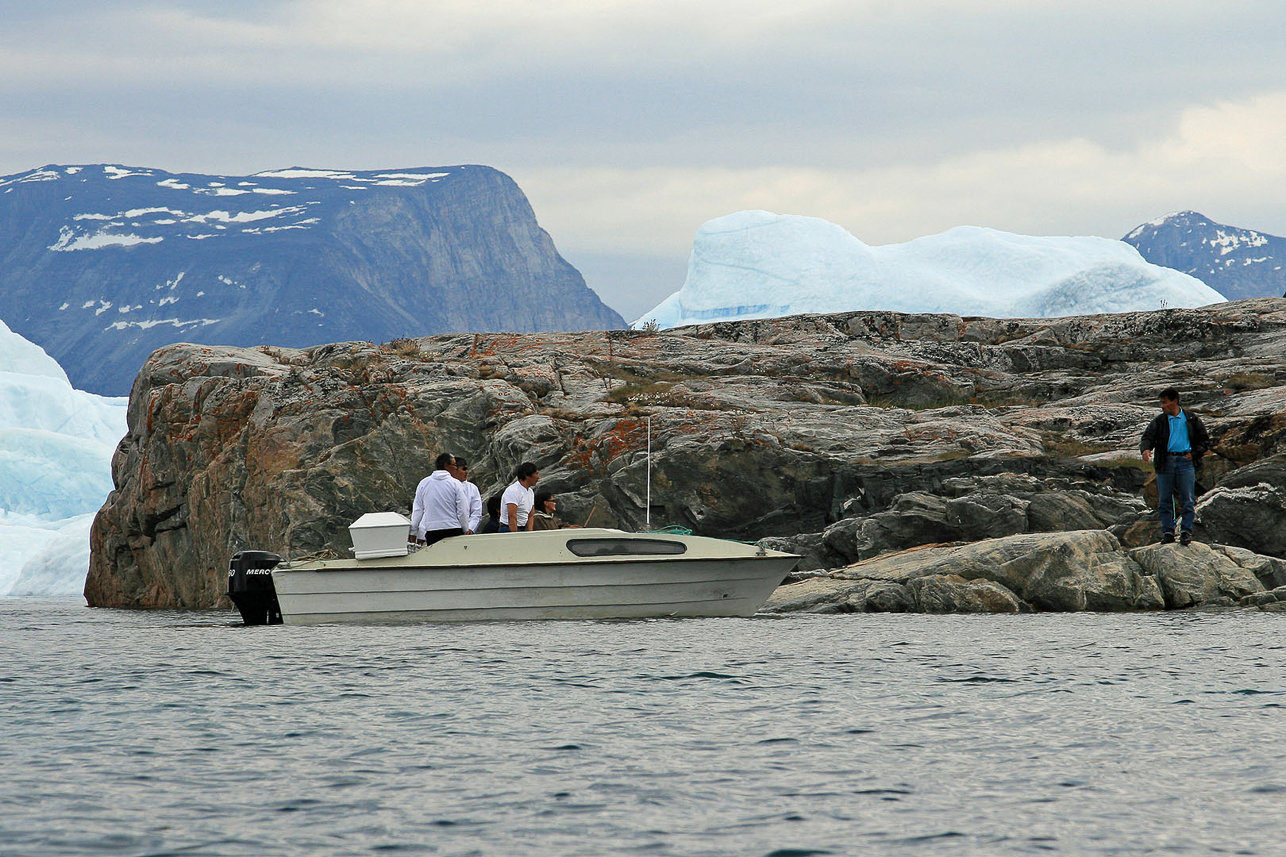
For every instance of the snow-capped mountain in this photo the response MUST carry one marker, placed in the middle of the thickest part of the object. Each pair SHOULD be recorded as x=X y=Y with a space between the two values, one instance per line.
x=1237 y=263
x=755 y=264
x=100 y=265
x=56 y=446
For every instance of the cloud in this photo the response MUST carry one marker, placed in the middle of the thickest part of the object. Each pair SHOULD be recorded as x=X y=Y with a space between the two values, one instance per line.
x=631 y=122
x=1222 y=159
x=653 y=82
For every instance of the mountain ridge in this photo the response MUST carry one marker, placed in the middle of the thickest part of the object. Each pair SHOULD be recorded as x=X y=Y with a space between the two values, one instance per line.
x=1236 y=262
x=102 y=264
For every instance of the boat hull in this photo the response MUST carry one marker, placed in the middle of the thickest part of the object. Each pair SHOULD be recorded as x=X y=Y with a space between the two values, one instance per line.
x=411 y=589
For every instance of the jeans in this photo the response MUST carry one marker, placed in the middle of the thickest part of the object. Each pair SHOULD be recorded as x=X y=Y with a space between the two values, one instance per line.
x=1178 y=475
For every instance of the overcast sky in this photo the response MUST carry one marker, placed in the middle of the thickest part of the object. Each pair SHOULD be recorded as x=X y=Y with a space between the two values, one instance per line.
x=631 y=123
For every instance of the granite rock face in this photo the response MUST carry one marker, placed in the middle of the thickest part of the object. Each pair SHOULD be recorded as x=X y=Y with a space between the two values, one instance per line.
x=1083 y=570
x=1248 y=508
x=848 y=436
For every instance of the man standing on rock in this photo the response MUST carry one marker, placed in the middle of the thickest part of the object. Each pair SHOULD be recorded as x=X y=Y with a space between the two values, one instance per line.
x=440 y=509
x=471 y=493
x=518 y=500
x=1174 y=442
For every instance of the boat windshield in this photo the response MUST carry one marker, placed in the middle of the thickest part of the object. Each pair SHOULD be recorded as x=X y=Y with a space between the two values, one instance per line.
x=625 y=547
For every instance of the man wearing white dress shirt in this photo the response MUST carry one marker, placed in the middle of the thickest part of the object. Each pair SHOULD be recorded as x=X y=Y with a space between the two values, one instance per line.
x=441 y=508
x=471 y=494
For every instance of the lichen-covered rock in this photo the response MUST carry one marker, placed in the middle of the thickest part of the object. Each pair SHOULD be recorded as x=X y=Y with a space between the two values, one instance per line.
x=950 y=593
x=819 y=595
x=1078 y=577
x=1272 y=601
x=1270 y=571
x=1248 y=508
x=1086 y=570
x=995 y=507
x=1057 y=511
x=1195 y=574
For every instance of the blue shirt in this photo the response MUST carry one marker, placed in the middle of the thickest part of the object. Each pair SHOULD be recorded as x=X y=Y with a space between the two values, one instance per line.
x=1179 y=442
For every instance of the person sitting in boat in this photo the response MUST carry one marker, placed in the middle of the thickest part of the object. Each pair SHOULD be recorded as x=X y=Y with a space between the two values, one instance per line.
x=471 y=493
x=493 y=515
x=441 y=508
x=544 y=517
x=543 y=514
x=519 y=498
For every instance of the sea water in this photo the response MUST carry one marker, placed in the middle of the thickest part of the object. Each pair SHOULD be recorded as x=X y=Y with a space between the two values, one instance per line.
x=149 y=733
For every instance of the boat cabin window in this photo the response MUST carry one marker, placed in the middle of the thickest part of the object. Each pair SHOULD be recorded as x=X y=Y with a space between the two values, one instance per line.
x=625 y=547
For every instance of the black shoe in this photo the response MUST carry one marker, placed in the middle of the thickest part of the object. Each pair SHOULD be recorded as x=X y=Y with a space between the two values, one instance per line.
x=1167 y=539
x=1185 y=539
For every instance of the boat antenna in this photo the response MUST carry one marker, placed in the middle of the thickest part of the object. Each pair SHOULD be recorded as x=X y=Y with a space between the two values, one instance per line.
x=648 y=513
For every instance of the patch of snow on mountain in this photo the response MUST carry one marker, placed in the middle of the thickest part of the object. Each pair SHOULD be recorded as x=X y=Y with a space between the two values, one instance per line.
x=68 y=241
x=39 y=176
x=1155 y=224
x=56 y=446
x=1229 y=242
x=243 y=216
x=411 y=176
x=121 y=172
x=755 y=264
x=407 y=179
x=382 y=179
x=181 y=324
x=270 y=229
x=301 y=173
x=95 y=230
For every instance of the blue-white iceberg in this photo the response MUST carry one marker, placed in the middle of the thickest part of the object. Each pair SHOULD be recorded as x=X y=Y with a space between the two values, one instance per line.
x=756 y=264
x=56 y=446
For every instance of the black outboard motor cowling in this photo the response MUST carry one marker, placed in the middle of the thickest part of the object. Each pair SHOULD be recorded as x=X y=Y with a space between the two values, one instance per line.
x=250 y=587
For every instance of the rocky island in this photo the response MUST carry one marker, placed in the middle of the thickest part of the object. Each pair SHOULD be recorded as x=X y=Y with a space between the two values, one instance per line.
x=918 y=462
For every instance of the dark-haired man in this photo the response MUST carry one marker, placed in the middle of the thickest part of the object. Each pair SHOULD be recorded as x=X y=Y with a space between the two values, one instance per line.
x=1174 y=442
x=441 y=508
x=493 y=515
x=519 y=498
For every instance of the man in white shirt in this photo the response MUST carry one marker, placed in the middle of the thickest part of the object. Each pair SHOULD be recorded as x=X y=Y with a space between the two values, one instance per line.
x=471 y=494
x=517 y=501
x=440 y=509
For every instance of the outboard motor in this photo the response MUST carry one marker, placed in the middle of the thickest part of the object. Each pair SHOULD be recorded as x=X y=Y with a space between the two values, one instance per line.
x=250 y=587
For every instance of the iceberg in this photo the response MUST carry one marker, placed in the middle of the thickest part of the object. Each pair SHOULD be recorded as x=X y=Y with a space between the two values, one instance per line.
x=56 y=446
x=57 y=563
x=756 y=264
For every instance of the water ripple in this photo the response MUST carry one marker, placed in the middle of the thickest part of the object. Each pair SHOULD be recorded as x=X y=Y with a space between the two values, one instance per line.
x=186 y=733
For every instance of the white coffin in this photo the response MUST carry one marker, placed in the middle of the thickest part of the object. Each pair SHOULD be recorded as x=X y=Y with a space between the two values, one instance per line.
x=380 y=534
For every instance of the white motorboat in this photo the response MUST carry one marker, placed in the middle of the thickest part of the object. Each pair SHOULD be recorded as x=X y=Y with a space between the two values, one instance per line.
x=552 y=574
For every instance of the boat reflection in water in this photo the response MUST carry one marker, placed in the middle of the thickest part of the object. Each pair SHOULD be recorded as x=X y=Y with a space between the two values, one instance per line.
x=553 y=574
